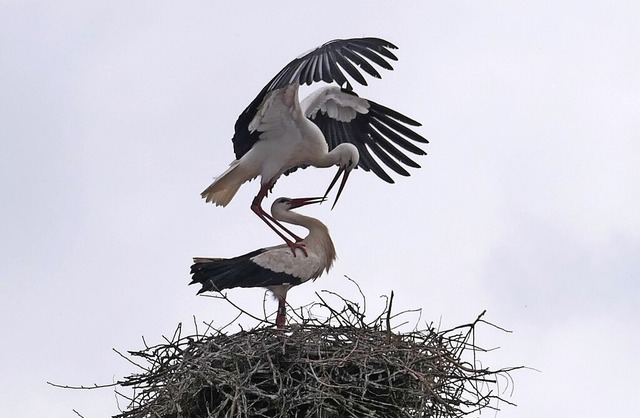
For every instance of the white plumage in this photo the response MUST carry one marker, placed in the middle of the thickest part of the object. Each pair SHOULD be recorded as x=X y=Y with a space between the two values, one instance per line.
x=335 y=104
x=275 y=268
x=276 y=134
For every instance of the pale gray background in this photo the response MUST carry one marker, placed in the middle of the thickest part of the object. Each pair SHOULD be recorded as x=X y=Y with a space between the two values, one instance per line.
x=114 y=117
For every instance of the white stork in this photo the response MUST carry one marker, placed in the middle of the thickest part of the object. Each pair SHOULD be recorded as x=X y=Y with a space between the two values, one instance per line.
x=276 y=134
x=275 y=268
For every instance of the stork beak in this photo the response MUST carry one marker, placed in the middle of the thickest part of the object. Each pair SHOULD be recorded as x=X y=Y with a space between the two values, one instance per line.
x=302 y=201
x=341 y=170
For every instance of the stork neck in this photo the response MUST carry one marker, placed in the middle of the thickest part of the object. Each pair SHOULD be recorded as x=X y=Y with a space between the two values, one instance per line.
x=318 y=234
x=328 y=159
x=341 y=155
x=295 y=218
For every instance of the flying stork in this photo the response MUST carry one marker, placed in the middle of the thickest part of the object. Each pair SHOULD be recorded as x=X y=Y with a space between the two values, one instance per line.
x=275 y=268
x=277 y=134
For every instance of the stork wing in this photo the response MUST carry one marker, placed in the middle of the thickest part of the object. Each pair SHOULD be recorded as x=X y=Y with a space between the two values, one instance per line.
x=325 y=63
x=265 y=267
x=216 y=274
x=342 y=116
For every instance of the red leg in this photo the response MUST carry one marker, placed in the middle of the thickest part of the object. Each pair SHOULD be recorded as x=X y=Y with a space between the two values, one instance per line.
x=284 y=228
x=257 y=209
x=281 y=316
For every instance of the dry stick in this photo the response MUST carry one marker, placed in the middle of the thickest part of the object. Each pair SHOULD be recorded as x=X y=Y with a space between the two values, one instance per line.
x=335 y=313
x=378 y=319
x=233 y=321
x=131 y=361
x=422 y=366
x=388 y=319
x=195 y=325
x=349 y=306
x=82 y=387
x=226 y=298
x=209 y=328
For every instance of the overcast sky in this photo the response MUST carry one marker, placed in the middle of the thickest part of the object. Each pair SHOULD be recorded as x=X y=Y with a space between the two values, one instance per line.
x=114 y=117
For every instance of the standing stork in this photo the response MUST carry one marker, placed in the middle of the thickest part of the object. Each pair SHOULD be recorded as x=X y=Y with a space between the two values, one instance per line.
x=275 y=268
x=277 y=134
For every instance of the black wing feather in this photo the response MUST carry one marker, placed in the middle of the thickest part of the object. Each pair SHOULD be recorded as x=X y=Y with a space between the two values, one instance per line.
x=373 y=43
x=373 y=56
x=361 y=62
x=332 y=61
x=396 y=126
x=368 y=163
x=216 y=274
x=375 y=132
x=346 y=65
x=385 y=131
x=379 y=139
x=355 y=130
x=319 y=64
x=385 y=158
x=377 y=108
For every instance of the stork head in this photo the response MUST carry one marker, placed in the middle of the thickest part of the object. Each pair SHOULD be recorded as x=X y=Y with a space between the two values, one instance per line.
x=286 y=203
x=347 y=156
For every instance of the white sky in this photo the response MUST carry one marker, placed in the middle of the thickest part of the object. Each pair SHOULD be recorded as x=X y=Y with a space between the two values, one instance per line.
x=114 y=117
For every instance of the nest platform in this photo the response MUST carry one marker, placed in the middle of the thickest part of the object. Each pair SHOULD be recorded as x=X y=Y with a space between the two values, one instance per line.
x=337 y=366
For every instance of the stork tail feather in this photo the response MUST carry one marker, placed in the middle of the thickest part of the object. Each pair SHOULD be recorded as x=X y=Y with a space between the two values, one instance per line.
x=216 y=274
x=225 y=187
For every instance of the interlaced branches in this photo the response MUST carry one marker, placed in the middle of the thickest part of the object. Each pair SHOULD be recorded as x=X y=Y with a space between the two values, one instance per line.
x=331 y=361
x=334 y=365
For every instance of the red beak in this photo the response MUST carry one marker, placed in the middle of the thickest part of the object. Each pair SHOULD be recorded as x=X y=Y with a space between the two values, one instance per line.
x=303 y=201
x=333 y=182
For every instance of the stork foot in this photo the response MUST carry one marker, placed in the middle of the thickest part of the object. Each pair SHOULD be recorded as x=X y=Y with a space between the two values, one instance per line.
x=295 y=245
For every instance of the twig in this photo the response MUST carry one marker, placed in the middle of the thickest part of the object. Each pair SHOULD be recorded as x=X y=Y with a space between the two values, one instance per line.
x=320 y=365
x=82 y=387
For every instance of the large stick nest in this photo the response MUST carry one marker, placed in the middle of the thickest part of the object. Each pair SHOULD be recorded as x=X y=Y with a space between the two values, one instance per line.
x=335 y=366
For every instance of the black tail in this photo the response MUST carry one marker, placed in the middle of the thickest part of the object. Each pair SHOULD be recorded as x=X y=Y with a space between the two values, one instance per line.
x=217 y=274
x=226 y=273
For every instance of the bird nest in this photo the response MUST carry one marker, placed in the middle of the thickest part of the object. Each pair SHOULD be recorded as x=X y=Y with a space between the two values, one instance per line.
x=330 y=365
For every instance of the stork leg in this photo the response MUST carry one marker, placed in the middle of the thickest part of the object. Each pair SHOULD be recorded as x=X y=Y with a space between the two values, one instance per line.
x=281 y=316
x=256 y=207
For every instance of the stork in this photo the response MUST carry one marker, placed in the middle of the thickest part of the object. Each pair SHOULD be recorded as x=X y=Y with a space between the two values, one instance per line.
x=275 y=268
x=277 y=134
